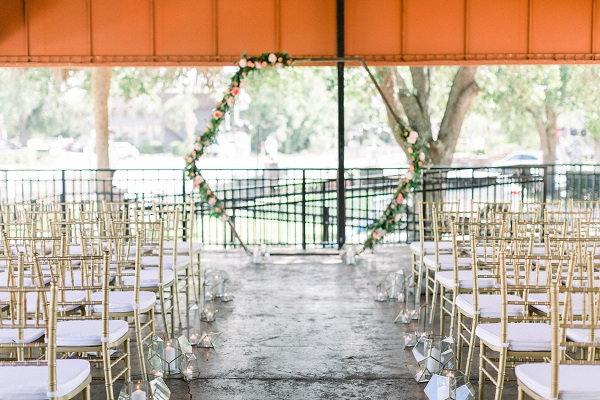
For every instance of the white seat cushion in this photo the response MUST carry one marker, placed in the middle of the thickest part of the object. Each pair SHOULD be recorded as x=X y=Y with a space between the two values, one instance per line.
x=149 y=278
x=580 y=335
x=489 y=305
x=446 y=262
x=75 y=279
x=522 y=336
x=576 y=382
x=465 y=279
x=31 y=382
x=152 y=262
x=74 y=296
x=576 y=298
x=182 y=247
x=9 y=335
x=122 y=302
x=88 y=333
x=429 y=247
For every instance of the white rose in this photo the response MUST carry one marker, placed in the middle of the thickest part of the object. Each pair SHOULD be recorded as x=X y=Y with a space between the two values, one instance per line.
x=422 y=156
x=409 y=175
x=272 y=58
x=198 y=146
x=412 y=137
x=397 y=217
x=257 y=65
x=243 y=63
x=230 y=101
x=199 y=179
x=212 y=201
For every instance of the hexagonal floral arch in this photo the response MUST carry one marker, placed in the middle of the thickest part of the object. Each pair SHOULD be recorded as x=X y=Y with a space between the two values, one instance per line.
x=408 y=183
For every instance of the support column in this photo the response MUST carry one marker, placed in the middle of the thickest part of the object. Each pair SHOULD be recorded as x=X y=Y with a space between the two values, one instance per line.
x=341 y=182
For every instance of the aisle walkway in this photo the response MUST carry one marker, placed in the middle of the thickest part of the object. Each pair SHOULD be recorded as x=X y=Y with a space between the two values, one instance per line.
x=308 y=328
x=305 y=327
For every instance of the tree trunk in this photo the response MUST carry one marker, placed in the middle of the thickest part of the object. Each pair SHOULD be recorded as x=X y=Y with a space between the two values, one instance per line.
x=464 y=89
x=546 y=126
x=101 y=77
x=597 y=150
x=414 y=106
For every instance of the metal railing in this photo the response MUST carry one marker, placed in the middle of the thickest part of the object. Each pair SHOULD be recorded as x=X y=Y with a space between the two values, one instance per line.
x=298 y=207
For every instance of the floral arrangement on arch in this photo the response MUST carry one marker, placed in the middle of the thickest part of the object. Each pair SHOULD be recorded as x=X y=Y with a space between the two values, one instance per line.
x=408 y=183
x=246 y=65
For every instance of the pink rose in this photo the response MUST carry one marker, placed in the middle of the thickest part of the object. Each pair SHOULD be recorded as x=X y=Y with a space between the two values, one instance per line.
x=422 y=156
x=243 y=63
x=258 y=65
x=212 y=201
x=199 y=179
x=272 y=58
x=230 y=101
x=399 y=198
x=264 y=63
x=412 y=138
x=235 y=91
x=217 y=114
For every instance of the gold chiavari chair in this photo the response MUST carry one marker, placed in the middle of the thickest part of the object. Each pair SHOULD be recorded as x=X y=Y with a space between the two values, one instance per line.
x=523 y=337
x=127 y=301
x=41 y=376
x=564 y=377
x=187 y=245
x=89 y=331
x=427 y=245
x=155 y=277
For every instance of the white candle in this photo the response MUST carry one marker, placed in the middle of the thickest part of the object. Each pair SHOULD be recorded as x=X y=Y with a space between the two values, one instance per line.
x=188 y=373
x=401 y=297
x=170 y=356
x=193 y=338
x=139 y=394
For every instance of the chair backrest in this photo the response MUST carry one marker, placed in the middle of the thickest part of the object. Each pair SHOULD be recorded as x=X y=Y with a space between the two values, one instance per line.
x=585 y=319
x=16 y=319
x=427 y=211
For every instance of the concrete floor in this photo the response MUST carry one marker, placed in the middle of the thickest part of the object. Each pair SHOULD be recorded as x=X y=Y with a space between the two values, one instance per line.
x=305 y=327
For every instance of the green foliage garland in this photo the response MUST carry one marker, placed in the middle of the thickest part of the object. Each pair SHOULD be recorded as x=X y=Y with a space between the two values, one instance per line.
x=247 y=65
x=391 y=216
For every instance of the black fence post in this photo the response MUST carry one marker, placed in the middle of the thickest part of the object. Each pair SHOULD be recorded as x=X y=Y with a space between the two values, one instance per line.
x=545 y=183
x=303 y=209
x=325 y=225
x=63 y=194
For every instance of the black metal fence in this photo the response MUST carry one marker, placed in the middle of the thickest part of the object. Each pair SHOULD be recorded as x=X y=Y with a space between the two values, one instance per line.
x=298 y=207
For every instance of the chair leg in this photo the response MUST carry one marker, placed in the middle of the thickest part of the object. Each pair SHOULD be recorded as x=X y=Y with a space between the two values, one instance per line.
x=482 y=365
x=459 y=342
x=442 y=297
x=520 y=393
x=418 y=278
x=453 y=316
x=501 y=374
x=127 y=350
x=86 y=393
x=471 y=349
x=108 y=383
x=163 y=310
x=433 y=301
x=139 y=343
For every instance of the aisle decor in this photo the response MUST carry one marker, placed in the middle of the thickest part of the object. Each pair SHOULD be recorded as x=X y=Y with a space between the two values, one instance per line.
x=409 y=182
x=246 y=66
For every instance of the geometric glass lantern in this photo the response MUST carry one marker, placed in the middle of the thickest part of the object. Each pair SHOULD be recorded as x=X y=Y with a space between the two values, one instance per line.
x=226 y=295
x=396 y=285
x=449 y=384
x=381 y=293
x=209 y=312
x=166 y=358
x=433 y=353
x=159 y=389
x=208 y=339
x=190 y=369
x=156 y=389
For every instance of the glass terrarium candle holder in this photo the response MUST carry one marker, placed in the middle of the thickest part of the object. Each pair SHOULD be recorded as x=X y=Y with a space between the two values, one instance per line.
x=380 y=293
x=449 y=384
x=159 y=389
x=208 y=339
x=209 y=312
x=433 y=353
x=135 y=390
x=165 y=357
x=190 y=368
x=227 y=295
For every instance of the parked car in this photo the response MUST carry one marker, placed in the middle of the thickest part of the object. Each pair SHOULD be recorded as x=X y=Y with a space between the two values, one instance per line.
x=522 y=157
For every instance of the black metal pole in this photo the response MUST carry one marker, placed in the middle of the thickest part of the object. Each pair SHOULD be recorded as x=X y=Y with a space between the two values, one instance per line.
x=341 y=184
